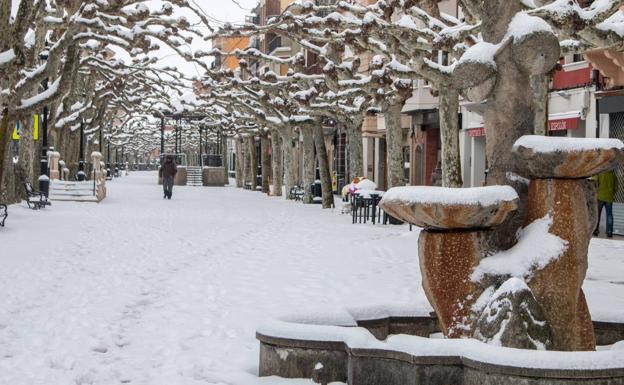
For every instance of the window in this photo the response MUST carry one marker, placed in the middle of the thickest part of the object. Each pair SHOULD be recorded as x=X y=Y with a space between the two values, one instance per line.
x=406 y=162
x=444 y=60
x=577 y=57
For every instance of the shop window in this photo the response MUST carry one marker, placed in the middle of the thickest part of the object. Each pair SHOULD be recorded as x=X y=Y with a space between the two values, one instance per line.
x=406 y=162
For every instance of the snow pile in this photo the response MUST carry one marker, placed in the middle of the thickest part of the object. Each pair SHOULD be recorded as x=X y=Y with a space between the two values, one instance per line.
x=482 y=52
x=485 y=196
x=550 y=144
x=7 y=56
x=614 y=23
x=366 y=184
x=523 y=25
x=481 y=352
x=535 y=249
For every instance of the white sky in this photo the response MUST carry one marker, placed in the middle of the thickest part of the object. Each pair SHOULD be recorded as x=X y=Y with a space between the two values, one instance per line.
x=219 y=12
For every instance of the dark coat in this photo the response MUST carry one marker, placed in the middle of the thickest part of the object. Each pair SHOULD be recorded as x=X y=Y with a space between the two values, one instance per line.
x=168 y=169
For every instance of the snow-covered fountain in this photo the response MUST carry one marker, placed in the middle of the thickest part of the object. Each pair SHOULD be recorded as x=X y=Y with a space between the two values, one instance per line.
x=509 y=316
x=502 y=266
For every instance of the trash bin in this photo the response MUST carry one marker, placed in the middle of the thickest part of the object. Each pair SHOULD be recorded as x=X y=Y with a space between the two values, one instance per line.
x=317 y=192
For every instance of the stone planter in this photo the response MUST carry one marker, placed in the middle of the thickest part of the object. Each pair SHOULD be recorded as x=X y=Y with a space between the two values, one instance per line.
x=213 y=176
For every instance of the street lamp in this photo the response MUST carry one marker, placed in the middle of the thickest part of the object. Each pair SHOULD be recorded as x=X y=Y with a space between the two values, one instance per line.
x=162 y=135
x=200 y=147
x=44 y=178
x=81 y=162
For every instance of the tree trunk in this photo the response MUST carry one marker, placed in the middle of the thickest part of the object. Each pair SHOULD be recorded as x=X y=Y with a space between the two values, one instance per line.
x=4 y=157
x=239 y=164
x=394 y=141
x=266 y=162
x=29 y=154
x=289 y=163
x=277 y=159
x=539 y=84
x=226 y=163
x=309 y=163
x=356 y=163
x=253 y=162
x=247 y=164
x=449 y=132
x=321 y=154
x=510 y=114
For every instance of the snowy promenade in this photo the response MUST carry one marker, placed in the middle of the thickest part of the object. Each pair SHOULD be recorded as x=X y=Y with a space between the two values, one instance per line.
x=141 y=290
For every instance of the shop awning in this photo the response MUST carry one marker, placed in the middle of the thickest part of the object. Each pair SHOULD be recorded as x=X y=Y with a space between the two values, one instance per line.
x=564 y=121
x=556 y=122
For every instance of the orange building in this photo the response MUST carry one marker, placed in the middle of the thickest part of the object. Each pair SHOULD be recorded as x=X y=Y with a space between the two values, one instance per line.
x=228 y=45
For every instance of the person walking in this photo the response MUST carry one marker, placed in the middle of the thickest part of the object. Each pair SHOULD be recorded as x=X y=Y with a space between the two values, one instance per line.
x=168 y=172
x=607 y=187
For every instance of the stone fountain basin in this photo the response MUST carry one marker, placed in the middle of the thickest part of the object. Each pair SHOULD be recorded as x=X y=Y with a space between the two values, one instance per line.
x=392 y=348
x=440 y=208
x=544 y=157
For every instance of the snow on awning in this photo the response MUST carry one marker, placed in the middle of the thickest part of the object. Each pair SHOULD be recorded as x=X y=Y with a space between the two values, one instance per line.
x=564 y=121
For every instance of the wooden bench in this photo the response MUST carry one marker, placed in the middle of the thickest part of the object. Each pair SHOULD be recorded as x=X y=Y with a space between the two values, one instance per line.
x=35 y=199
x=247 y=185
x=4 y=213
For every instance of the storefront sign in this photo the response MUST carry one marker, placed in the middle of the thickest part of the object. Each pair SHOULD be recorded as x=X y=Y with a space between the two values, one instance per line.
x=476 y=132
x=563 y=124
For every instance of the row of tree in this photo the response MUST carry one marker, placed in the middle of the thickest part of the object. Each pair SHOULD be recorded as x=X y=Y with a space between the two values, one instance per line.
x=502 y=53
x=67 y=64
x=63 y=59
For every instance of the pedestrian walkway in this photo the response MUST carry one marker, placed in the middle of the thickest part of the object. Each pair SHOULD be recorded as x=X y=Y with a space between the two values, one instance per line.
x=141 y=290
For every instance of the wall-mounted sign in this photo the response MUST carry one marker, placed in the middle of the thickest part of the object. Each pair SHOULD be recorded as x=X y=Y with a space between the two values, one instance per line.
x=17 y=131
x=476 y=132
x=563 y=124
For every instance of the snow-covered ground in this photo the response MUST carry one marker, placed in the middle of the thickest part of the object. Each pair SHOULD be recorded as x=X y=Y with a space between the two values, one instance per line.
x=142 y=290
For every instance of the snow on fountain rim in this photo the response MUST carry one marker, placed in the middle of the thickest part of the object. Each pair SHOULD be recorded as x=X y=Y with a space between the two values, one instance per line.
x=484 y=196
x=309 y=328
x=550 y=144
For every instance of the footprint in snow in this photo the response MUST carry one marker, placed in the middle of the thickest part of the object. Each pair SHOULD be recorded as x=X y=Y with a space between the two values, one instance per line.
x=100 y=349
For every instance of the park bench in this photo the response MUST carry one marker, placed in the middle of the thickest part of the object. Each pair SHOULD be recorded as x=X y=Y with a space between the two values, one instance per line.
x=247 y=185
x=4 y=213
x=35 y=199
x=296 y=193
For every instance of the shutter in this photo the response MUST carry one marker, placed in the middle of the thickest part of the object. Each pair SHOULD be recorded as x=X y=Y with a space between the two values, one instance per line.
x=616 y=130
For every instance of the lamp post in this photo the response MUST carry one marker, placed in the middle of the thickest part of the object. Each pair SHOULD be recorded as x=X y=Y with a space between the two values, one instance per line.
x=81 y=162
x=108 y=160
x=200 y=147
x=162 y=135
x=44 y=178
